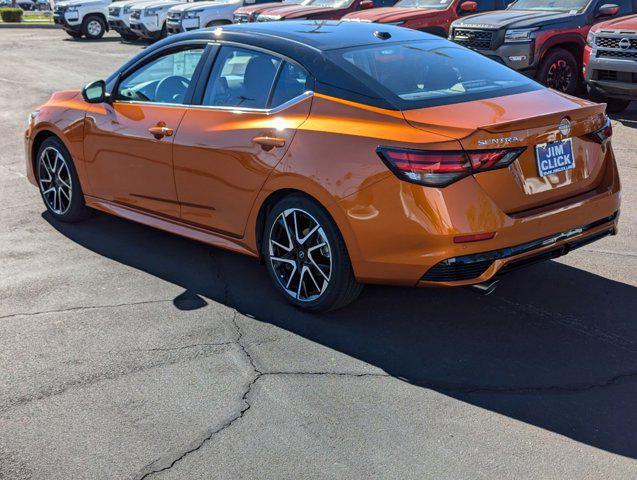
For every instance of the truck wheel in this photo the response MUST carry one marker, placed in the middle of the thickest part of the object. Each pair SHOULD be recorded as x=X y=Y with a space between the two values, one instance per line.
x=93 y=27
x=613 y=105
x=559 y=71
x=129 y=37
x=74 y=34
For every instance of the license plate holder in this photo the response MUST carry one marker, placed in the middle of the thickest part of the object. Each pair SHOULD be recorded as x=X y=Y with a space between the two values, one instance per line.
x=554 y=157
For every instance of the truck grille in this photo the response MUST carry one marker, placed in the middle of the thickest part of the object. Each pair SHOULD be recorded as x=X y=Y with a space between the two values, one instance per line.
x=136 y=14
x=476 y=39
x=613 y=42
x=616 y=54
x=114 y=11
x=59 y=9
x=241 y=18
x=174 y=16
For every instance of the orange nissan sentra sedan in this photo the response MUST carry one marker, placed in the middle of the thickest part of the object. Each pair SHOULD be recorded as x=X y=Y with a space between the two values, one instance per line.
x=338 y=153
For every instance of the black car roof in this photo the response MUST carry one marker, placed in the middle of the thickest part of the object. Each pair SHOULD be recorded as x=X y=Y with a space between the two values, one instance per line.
x=306 y=41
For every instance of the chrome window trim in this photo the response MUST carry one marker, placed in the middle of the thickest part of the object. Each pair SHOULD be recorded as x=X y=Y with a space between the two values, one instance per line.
x=265 y=111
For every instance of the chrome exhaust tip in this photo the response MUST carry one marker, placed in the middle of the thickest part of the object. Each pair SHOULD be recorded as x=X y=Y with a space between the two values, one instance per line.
x=486 y=288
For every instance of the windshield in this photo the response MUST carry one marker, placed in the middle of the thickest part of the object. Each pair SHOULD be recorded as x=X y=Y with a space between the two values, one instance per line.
x=436 y=5
x=328 y=3
x=439 y=73
x=556 y=5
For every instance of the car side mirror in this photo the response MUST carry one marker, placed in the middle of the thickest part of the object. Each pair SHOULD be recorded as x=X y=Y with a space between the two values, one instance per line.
x=366 y=4
x=468 y=7
x=95 y=92
x=608 y=10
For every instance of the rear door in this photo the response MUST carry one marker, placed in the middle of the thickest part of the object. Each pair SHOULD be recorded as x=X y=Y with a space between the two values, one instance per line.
x=251 y=104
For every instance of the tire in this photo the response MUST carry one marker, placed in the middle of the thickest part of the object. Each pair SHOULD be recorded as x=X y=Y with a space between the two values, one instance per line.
x=559 y=70
x=330 y=283
x=217 y=23
x=75 y=35
x=93 y=27
x=129 y=37
x=64 y=183
x=613 y=105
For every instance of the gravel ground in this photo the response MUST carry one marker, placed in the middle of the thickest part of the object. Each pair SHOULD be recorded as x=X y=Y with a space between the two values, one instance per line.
x=126 y=352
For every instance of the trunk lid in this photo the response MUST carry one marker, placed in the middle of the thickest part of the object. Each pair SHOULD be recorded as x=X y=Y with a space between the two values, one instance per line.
x=523 y=120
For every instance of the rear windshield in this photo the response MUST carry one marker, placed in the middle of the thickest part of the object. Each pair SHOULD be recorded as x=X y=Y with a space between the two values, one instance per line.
x=430 y=73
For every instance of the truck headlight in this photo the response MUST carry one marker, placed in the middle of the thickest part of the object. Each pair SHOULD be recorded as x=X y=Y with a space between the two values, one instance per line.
x=519 y=35
x=590 y=39
x=72 y=8
x=126 y=10
x=193 y=13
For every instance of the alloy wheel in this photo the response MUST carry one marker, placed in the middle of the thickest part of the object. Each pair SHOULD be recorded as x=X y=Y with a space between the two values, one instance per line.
x=300 y=255
x=94 y=28
x=559 y=76
x=55 y=180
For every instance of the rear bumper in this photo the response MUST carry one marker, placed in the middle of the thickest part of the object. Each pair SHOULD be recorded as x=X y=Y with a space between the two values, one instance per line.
x=402 y=232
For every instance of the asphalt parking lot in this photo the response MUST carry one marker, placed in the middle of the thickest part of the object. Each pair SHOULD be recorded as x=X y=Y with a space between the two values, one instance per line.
x=126 y=352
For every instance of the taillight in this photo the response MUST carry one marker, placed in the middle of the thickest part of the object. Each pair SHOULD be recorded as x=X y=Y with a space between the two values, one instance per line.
x=439 y=168
x=604 y=133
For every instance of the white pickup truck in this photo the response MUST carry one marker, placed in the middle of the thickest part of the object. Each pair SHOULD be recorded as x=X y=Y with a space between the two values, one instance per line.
x=119 y=17
x=202 y=14
x=148 y=20
x=80 y=18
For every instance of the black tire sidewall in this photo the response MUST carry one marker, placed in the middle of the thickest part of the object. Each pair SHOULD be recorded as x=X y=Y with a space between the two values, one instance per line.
x=85 y=27
x=552 y=57
x=77 y=210
x=342 y=274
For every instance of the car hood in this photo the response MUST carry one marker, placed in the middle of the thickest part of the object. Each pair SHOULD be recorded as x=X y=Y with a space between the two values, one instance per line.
x=159 y=3
x=182 y=7
x=625 y=24
x=82 y=2
x=259 y=7
x=292 y=11
x=128 y=3
x=512 y=19
x=390 y=14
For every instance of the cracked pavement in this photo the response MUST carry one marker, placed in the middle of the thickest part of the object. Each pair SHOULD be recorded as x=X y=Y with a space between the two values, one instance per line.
x=128 y=353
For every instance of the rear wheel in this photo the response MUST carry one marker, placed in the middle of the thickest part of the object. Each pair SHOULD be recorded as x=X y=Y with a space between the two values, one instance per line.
x=613 y=105
x=93 y=27
x=559 y=71
x=306 y=256
x=59 y=184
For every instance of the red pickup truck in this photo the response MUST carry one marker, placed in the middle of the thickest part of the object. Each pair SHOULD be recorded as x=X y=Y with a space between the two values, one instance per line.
x=305 y=10
x=431 y=16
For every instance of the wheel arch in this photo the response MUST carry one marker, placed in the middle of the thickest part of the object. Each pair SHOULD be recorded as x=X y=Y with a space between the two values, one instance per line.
x=270 y=195
x=573 y=43
x=97 y=14
x=38 y=140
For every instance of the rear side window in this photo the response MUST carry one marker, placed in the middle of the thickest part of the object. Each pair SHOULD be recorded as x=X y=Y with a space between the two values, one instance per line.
x=241 y=78
x=292 y=82
x=438 y=72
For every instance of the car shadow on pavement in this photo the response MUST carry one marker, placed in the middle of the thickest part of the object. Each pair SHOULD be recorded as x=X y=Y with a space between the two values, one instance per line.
x=555 y=346
x=628 y=118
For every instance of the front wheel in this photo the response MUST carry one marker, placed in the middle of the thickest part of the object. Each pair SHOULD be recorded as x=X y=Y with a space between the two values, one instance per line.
x=306 y=256
x=59 y=184
x=93 y=27
x=559 y=71
x=613 y=105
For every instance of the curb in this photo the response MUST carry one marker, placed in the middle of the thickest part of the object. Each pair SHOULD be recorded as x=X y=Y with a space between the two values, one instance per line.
x=26 y=25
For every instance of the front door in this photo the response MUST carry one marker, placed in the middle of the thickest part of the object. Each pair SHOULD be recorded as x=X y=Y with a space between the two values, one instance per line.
x=226 y=147
x=128 y=142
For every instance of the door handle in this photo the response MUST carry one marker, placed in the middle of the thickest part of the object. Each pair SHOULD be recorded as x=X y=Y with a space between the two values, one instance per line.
x=161 y=131
x=268 y=143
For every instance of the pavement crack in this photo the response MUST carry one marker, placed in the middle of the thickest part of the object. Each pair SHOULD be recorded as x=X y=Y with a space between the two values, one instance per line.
x=88 y=307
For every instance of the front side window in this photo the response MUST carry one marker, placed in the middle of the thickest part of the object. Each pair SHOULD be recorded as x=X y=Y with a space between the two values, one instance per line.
x=163 y=80
x=439 y=73
x=241 y=78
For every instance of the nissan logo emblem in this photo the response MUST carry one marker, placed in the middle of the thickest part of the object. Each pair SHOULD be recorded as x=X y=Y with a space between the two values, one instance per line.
x=624 y=43
x=565 y=127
